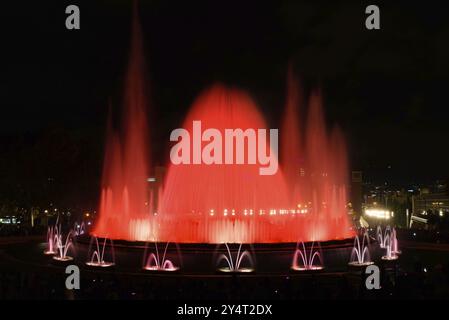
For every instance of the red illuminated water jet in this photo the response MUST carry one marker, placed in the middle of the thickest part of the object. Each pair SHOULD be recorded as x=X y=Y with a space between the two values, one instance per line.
x=316 y=168
x=222 y=202
x=292 y=157
x=305 y=200
x=123 y=212
x=234 y=203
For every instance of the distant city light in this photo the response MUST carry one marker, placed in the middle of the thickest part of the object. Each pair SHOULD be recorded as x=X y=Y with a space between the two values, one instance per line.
x=251 y=212
x=379 y=213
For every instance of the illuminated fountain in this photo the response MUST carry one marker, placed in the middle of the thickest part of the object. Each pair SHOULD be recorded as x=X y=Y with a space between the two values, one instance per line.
x=123 y=212
x=79 y=229
x=233 y=203
x=63 y=246
x=382 y=236
x=394 y=239
x=388 y=239
x=153 y=262
x=222 y=202
x=390 y=255
x=360 y=255
x=310 y=259
x=234 y=262
x=291 y=155
x=98 y=255
x=391 y=246
x=52 y=233
x=52 y=236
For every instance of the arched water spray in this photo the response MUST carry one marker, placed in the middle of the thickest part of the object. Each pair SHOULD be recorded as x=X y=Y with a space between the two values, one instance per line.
x=234 y=262
x=154 y=262
x=381 y=236
x=360 y=254
x=79 y=229
x=97 y=258
x=307 y=260
x=391 y=246
x=63 y=246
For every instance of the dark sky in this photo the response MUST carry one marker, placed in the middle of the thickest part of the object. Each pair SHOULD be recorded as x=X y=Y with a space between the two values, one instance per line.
x=387 y=89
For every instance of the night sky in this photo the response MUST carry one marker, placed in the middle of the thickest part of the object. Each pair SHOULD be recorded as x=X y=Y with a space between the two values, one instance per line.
x=387 y=88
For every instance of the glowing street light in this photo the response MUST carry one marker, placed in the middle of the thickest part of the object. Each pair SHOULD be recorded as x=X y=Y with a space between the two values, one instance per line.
x=379 y=213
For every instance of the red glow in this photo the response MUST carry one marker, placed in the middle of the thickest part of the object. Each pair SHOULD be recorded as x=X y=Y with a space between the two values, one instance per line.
x=292 y=157
x=124 y=187
x=226 y=202
x=212 y=203
x=196 y=196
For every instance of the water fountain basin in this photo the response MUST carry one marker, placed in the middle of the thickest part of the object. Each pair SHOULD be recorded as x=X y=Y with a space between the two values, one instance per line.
x=102 y=264
x=63 y=259
x=230 y=271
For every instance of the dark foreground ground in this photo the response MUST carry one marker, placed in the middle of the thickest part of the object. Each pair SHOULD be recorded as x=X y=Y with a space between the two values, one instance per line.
x=421 y=272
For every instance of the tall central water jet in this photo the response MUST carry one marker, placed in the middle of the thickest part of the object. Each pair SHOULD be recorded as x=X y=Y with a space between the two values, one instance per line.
x=123 y=212
x=222 y=202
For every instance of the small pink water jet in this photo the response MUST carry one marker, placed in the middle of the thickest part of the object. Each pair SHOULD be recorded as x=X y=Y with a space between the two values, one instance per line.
x=98 y=257
x=234 y=263
x=381 y=236
x=63 y=246
x=154 y=262
x=307 y=259
x=52 y=234
x=360 y=254
x=389 y=242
